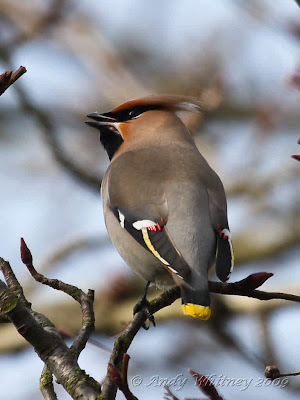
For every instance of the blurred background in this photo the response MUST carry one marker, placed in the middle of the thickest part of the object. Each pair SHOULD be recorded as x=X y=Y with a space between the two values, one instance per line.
x=242 y=59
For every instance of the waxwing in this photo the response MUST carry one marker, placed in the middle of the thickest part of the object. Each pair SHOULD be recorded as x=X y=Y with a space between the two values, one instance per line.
x=165 y=208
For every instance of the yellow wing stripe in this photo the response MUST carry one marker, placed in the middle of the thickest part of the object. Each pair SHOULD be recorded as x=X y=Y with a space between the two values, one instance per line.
x=232 y=255
x=151 y=248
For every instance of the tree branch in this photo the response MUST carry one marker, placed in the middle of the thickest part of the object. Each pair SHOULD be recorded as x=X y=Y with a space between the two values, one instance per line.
x=8 y=78
x=46 y=384
x=86 y=301
x=272 y=372
x=39 y=331
x=120 y=379
x=47 y=342
x=48 y=130
x=245 y=287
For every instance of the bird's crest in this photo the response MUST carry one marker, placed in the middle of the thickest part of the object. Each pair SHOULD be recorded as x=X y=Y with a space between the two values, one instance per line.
x=165 y=102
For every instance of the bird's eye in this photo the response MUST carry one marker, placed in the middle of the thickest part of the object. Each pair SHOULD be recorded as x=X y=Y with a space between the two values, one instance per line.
x=133 y=114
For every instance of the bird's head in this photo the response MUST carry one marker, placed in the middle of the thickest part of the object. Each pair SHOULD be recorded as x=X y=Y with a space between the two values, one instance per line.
x=136 y=119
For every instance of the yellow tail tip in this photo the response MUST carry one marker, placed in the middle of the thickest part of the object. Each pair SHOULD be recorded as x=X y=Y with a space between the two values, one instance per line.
x=196 y=311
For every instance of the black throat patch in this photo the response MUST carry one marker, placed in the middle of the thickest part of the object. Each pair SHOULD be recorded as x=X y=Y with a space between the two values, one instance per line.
x=110 y=140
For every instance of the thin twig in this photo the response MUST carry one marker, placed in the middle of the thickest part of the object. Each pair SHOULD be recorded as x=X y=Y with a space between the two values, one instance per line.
x=272 y=372
x=290 y=374
x=231 y=289
x=88 y=321
x=245 y=287
x=126 y=358
x=125 y=388
x=48 y=344
x=99 y=345
x=86 y=300
x=121 y=346
x=53 y=16
x=8 y=78
x=46 y=384
x=120 y=380
x=43 y=336
x=13 y=282
x=169 y=395
x=48 y=130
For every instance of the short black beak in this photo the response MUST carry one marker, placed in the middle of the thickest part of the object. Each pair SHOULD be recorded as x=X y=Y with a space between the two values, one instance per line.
x=100 y=120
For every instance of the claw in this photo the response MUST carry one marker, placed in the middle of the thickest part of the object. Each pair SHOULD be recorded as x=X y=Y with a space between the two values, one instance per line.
x=143 y=304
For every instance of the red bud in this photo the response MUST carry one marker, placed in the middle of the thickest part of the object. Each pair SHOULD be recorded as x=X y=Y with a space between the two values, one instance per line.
x=256 y=280
x=296 y=157
x=26 y=256
x=205 y=385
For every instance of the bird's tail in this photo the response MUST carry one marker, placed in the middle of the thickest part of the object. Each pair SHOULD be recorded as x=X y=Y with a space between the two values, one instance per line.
x=195 y=298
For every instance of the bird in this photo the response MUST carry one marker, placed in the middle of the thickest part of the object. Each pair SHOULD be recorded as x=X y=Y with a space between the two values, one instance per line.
x=165 y=208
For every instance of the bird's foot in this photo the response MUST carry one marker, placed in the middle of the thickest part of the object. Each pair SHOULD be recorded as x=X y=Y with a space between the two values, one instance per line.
x=143 y=304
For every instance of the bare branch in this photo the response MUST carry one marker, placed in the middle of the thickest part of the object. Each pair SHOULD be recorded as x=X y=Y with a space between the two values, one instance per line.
x=245 y=287
x=120 y=380
x=118 y=360
x=235 y=289
x=48 y=344
x=272 y=372
x=125 y=388
x=40 y=24
x=46 y=384
x=169 y=395
x=88 y=321
x=42 y=335
x=13 y=282
x=49 y=132
x=8 y=78
x=86 y=301
x=121 y=346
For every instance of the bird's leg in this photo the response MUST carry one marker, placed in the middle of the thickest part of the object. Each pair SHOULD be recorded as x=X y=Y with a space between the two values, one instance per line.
x=143 y=304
